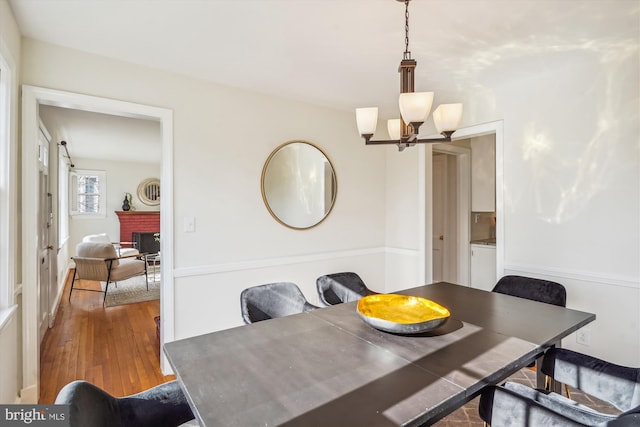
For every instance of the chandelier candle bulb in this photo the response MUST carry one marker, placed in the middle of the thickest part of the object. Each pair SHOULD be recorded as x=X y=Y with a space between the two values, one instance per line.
x=367 y=120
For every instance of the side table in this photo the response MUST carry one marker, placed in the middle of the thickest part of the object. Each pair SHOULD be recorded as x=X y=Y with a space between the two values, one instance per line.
x=153 y=262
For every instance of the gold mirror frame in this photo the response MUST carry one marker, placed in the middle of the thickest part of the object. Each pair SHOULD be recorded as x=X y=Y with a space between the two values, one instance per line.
x=149 y=191
x=287 y=169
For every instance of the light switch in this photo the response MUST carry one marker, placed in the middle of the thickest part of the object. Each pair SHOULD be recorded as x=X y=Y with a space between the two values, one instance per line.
x=189 y=224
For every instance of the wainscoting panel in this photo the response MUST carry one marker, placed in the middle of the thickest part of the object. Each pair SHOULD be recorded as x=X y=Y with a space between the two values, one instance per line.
x=208 y=298
x=404 y=269
x=9 y=359
x=615 y=334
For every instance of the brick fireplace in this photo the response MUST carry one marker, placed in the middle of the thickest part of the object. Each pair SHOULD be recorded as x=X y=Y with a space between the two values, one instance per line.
x=137 y=222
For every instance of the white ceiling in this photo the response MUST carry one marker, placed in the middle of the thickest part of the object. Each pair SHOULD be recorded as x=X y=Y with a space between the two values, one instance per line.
x=102 y=136
x=338 y=53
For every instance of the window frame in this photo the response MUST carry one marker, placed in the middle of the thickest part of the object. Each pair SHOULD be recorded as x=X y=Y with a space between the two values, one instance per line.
x=74 y=193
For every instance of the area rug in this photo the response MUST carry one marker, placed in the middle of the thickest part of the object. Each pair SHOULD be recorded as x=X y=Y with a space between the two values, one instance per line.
x=133 y=290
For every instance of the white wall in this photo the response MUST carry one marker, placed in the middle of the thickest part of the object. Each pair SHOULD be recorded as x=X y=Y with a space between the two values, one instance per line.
x=10 y=341
x=571 y=174
x=218 y=159
x=405 y=204
x=572 y=185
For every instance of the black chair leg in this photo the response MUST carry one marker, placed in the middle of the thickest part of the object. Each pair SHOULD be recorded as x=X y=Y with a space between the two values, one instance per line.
x=75 y=271
x=146 y=274
x=106 y=286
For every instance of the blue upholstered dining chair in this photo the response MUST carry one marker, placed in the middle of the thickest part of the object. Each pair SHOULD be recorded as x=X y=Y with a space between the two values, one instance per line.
x=272 y=300
x=90 y=406
x=338 y=288
x=518 y=405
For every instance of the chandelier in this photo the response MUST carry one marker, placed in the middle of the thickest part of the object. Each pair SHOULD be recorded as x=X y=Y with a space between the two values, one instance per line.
x=414 y=108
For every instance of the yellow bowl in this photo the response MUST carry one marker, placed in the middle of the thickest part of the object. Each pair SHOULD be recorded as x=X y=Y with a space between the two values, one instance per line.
x=401 y=314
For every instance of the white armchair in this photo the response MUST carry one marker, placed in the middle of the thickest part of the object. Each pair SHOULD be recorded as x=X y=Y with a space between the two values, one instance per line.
x=100 y=262
x=122 y=248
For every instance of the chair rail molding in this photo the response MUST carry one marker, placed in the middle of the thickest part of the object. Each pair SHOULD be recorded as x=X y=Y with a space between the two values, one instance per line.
x=584 y=276
x=204 y=270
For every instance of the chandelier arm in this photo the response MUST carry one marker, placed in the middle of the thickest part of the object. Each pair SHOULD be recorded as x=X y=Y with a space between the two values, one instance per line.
x=382 y=142
x=409 y=142
x=433 y=140
x=444 y=138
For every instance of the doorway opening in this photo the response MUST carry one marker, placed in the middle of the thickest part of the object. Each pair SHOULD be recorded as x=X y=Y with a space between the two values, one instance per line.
x=32 y=98
x=451 y=191
x=448 y=211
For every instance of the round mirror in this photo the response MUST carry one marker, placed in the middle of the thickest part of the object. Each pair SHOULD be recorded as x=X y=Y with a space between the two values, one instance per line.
x=149 y=191
x=298 y=185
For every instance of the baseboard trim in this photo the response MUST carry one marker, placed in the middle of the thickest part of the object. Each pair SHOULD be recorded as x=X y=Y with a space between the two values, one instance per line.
x=29 y=395
x=278 y=261
x=575 y=275
x=54 y=309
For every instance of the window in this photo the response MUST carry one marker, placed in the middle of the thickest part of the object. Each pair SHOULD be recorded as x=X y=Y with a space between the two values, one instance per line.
x=88 y=193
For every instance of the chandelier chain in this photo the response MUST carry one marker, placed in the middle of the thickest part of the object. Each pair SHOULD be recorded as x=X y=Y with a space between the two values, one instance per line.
x=407 y=53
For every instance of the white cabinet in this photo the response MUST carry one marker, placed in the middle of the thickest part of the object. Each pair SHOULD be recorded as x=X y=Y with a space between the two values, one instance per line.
x=483 y=267
x=483 y=174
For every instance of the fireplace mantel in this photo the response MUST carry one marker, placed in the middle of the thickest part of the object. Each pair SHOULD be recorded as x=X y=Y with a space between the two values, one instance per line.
x=137 y=221
x=124 y=213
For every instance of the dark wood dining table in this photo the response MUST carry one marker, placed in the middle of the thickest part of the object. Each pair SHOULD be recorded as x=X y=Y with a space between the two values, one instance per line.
x=329 y=368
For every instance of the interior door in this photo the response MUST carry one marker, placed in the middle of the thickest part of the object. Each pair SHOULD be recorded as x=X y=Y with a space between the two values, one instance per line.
x=44 y=225
x=439 y=209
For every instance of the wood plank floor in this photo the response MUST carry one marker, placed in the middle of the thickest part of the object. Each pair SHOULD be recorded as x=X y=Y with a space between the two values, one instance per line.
x=114 y=348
